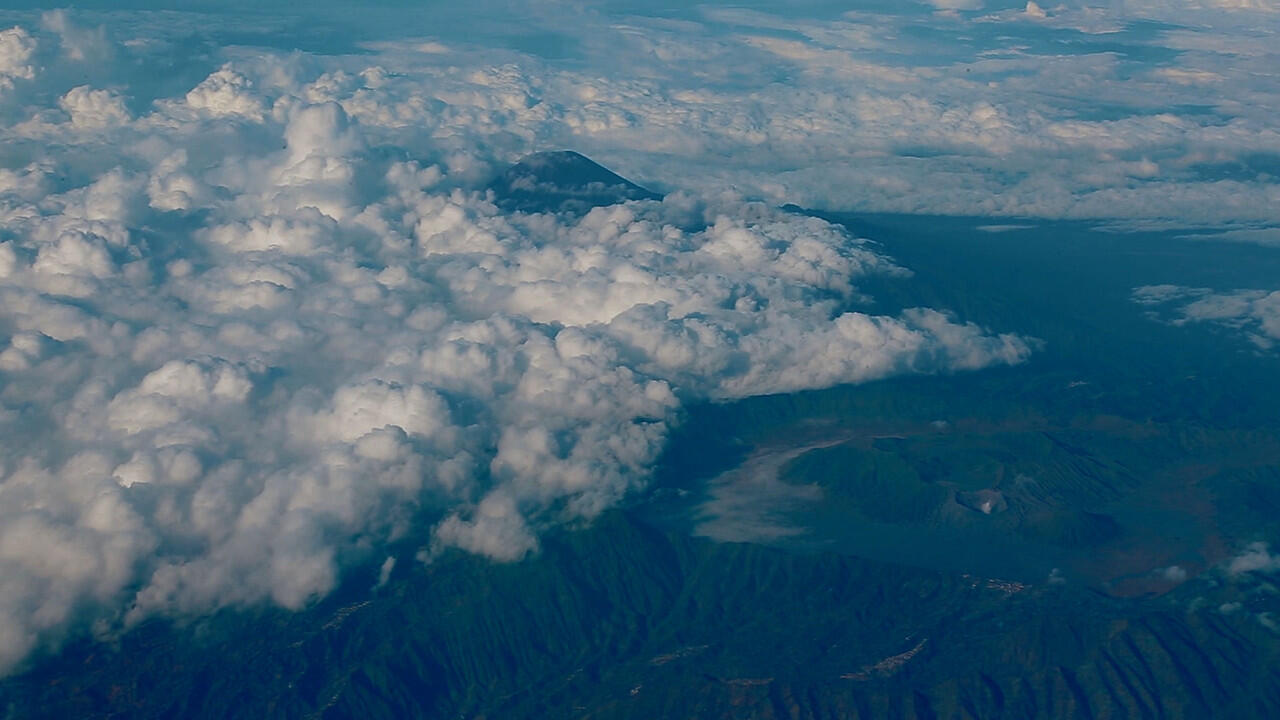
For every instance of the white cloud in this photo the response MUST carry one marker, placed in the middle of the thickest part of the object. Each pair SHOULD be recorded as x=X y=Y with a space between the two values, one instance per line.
x=263 y=304
x=79 y=43
x=1255 y=558
x=1173 y=6
x=956 y=4
x=1255 y=313
x=823 y=111
x=1259 y=236
x=16 y=50
x=260 y=327
x=226 y=92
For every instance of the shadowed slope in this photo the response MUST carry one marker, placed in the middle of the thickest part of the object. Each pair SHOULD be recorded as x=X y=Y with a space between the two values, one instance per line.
x=622 y=621
x=563 y=181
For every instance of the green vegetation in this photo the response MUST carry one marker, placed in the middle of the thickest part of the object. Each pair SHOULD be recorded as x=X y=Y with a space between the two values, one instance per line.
x=1044 y=541
x=621 y=620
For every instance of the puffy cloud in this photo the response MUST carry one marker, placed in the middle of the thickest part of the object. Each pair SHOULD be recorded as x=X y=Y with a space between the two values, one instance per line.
x=91 y=108
x=16 y=50
x=258 y=323
x=1255 y=558
x=1255 y=313
x=496 y=528
x=259 y=328
x=226 y=92
x=837 y=112
x=78 y=548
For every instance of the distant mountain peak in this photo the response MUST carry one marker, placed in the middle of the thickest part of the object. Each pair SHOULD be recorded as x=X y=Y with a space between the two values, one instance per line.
x=563 y=181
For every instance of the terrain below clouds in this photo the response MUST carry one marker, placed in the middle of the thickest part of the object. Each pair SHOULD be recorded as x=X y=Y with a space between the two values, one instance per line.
x=254 y=340
x=1090 y=532
x=316 y=324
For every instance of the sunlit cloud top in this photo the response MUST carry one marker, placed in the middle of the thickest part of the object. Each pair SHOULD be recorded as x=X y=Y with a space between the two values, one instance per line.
x=261 y=315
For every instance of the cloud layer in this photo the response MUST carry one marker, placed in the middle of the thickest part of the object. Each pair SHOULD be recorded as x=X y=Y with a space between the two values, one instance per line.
x=257 y=318
x=1069 y=110
x=255 y=329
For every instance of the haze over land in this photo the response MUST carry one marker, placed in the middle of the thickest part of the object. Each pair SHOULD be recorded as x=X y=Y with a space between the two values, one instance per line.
x=271 y=313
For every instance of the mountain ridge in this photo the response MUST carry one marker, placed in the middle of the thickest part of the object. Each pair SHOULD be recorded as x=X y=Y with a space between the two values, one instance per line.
x=563 y=181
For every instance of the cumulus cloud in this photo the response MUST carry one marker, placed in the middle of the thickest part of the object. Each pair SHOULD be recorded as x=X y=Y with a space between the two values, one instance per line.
x=835 y=111
x=1255 y=558
x=91 y=108
x=260 y=318
x=258 y=329
x=226 y=92
x=16 y=50
x=1255 y=313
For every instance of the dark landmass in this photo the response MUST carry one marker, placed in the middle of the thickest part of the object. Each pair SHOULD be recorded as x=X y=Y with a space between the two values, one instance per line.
x=624 y=621
x=563 y=181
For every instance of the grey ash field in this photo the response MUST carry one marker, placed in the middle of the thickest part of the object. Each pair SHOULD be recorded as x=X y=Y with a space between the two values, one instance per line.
x=1086 y=534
